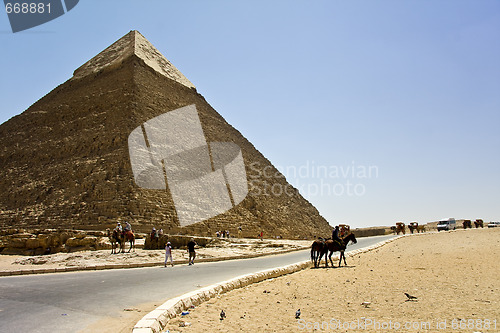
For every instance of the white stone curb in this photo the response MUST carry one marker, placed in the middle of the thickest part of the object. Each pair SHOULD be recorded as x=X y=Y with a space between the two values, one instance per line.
x=157 y=319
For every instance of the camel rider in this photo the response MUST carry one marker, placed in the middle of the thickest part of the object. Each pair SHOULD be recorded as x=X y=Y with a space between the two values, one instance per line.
x=127 y=227
x=119 y=228
x=336 y=237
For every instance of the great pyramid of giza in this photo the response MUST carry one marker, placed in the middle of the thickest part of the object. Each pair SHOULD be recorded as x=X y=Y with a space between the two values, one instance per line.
x=65 y=161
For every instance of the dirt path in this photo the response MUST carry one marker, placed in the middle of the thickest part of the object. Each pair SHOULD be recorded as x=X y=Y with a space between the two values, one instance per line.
x=454 y=276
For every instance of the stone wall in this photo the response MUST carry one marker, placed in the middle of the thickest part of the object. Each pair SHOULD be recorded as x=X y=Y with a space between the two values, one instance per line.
x=373 y=231
x=38 y=242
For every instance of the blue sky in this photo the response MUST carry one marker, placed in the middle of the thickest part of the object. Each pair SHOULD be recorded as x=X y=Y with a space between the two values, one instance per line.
x=410 y=89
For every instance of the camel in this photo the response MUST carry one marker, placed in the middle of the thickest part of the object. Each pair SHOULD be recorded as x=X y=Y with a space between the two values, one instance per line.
x=413 y=226
x=114 y=239
x=345 y=229
x=400 y=227
x=128 y=236
x=420 y=228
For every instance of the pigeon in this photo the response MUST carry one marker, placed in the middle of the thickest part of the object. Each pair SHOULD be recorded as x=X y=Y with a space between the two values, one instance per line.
x=410 y=297
x=297 y=314
x=366 y=304
x=222 y=315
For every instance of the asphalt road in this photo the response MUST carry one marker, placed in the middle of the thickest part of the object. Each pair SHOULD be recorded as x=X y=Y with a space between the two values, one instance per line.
x=68 y=302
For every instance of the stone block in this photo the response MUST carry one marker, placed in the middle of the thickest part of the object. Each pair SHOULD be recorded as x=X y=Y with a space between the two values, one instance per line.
x=17 y=243
x=186 y=303
x=152 y=324
x=32 y=243
x=155 y=314
x=142 y=330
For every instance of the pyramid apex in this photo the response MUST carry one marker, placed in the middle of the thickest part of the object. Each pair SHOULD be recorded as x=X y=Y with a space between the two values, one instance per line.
x=133 y=43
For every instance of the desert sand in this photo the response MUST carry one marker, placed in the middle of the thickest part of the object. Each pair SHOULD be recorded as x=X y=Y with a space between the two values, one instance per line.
x=453 y=275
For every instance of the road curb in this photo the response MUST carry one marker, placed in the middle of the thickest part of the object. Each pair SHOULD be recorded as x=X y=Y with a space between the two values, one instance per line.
x=157 y=319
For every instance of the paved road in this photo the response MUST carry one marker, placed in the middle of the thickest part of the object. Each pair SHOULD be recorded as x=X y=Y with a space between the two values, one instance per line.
x=68 y=302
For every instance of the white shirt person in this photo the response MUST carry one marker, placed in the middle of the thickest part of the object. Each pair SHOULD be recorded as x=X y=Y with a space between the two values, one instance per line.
x=168 y=254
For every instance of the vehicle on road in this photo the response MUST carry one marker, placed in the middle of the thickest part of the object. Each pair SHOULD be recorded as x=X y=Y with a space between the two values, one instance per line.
x=449 y=224
x=493 y=224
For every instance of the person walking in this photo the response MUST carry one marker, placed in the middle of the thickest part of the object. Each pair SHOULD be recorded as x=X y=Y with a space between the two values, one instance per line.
x=168 y=254
x=192 y=253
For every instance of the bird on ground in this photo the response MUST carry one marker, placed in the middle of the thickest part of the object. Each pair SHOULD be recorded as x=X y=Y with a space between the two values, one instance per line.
x=366 y=304
x=222 y=315
x=297 y=314
x=410 y=297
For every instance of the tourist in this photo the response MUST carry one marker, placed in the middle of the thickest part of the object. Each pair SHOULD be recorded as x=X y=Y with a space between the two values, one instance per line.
x=168 y=254
x=127 y=227
x=192 y=253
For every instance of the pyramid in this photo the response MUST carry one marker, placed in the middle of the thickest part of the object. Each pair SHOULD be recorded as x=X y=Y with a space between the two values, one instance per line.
x=65 y=161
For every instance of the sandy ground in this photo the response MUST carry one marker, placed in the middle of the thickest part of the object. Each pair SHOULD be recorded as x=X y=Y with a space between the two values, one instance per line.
x=454 y=275
x=224 y=247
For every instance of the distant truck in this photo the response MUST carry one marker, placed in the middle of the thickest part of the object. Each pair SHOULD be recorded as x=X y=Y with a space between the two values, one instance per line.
x=449 y=224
